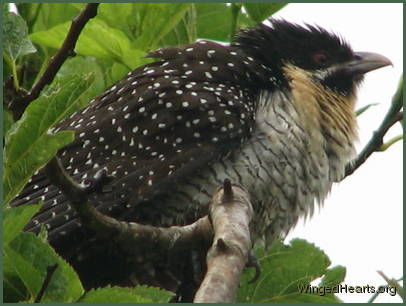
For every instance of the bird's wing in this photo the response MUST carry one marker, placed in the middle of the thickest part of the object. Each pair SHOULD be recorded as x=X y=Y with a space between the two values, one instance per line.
x=158 y=126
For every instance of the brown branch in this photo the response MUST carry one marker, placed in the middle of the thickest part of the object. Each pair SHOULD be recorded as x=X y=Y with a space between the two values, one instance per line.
x=393 y=115
x=18 y=105
x=230 y=212
x=127 y=234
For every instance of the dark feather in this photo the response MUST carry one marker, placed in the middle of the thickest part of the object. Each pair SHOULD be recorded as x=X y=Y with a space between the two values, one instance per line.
x=153 y=129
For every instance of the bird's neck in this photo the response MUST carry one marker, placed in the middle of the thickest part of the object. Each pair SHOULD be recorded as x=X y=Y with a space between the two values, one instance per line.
x=322 y=121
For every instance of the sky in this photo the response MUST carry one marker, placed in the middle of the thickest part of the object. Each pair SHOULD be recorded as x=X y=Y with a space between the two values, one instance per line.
x=360 y=225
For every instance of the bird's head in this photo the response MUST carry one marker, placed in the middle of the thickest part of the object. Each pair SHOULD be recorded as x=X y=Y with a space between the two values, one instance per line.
x=325 y=57
x=318 y=73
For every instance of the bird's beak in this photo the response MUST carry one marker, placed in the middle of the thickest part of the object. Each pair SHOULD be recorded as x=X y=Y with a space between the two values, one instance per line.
x=365 y=62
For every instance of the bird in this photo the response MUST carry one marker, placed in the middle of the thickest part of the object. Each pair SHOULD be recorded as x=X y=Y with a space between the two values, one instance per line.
x=272 y=111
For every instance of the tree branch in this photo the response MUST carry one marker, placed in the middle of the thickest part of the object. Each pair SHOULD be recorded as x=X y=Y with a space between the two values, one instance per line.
x=392 y=116
x=18 y=105
x=126 y=233
x=231 y=213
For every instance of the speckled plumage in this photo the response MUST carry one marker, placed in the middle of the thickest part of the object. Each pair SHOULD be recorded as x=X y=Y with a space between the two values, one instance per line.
x=273 y=111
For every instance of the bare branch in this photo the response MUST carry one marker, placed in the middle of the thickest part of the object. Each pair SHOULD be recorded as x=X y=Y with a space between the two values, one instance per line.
x=393 y=115
x=230 y=212
x=18 y=105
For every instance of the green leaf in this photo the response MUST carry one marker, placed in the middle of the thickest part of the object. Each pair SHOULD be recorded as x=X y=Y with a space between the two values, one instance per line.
x=116 y=72
x=258 y=12
x=364 y=108
x=52 y=14
x=140 y=294
x=14 y=220
x=156 y=295
x=155 y=21
x=185 y=31
x=97 y=39
x=42 y=16
x=333 y=276
x=80 y=65
x=102 y=41
x=390 y=143
x=15 y=39
x=7 y=73
x=287 y=270
x=20 y=270
x=29 y=146
x=213 y=21
x=34 y=256
x=13 y=288
x=8 y=120
x=119 y=16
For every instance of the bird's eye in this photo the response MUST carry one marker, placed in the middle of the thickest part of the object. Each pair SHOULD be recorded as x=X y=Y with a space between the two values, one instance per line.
x=320 y=58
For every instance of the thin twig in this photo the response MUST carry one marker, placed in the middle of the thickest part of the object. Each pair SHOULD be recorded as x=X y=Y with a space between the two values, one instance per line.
x=18 y=105
x=50 y=272
x=375 y=295
x=393 y=115
x=393 y=283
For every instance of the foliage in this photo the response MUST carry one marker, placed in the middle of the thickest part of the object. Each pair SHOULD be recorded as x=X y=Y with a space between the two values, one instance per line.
x=29 y=145
x=140 y=294
x=27 y=258
x=288 y=273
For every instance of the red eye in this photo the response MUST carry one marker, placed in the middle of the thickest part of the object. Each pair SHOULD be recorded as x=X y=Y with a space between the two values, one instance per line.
x=320 y=58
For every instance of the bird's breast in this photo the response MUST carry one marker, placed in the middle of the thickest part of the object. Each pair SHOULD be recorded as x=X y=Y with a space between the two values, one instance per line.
x=284 y=166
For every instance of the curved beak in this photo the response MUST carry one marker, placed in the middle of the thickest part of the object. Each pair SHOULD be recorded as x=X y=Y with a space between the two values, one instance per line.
x=365 y=62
